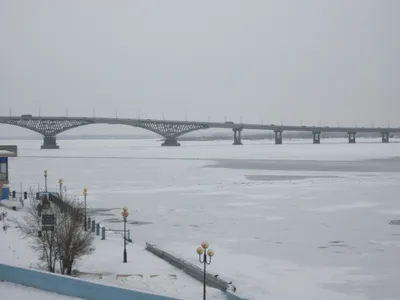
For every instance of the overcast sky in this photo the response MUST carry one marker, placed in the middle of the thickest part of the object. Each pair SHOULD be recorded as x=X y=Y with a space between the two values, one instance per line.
x=290 y=60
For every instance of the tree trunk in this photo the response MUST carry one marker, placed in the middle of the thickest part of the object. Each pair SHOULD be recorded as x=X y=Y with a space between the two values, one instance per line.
x=62 y=270
x=69 y=268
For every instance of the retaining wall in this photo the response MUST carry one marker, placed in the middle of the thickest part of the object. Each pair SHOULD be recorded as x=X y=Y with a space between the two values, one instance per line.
x=70 y=286
x=194 y=271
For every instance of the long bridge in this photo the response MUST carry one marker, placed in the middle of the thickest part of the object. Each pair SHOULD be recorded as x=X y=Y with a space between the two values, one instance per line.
x=171 y=130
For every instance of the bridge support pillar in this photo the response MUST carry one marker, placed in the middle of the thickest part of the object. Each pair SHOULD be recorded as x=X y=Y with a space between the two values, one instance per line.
x=278 y=137
x=237 y=136
x=170 y=141
x=385 y=137
x=49 y=142
x=352 y=137
x=316 y=137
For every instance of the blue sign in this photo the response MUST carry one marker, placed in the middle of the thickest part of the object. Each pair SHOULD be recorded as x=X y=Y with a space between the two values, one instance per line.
x=3 y=160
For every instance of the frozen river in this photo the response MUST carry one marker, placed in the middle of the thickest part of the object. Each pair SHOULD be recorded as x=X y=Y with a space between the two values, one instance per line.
x=294 y=221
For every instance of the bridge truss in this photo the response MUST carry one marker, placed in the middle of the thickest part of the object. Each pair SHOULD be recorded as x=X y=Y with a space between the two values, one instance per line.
x=51 y=127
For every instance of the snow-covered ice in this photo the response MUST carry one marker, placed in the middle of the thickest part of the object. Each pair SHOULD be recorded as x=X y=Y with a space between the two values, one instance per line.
x=314 y=223
x=11 y=291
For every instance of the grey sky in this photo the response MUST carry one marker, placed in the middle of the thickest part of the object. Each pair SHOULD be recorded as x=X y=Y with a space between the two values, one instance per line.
x=294 y=60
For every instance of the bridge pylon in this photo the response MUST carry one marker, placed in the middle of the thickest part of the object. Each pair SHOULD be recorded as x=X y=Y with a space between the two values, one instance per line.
x=170 y=141
x=352 y=137
x=49 y=142
x=385 y=137
x=316 y=137
x=237 y=136
x=278 y=137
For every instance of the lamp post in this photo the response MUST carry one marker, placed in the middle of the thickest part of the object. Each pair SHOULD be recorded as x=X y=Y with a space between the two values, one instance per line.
x=125 y=215
x=45 y=181
x=84 y=197
x=204 y=253
x=60 y=182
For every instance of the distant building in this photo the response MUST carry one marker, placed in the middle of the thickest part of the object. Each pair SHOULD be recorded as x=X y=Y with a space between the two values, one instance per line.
x=4 y=155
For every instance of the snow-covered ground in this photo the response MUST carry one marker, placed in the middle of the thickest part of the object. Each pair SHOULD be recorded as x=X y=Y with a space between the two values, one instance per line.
x=294 y=220
x=12 y=291
x=144 y=271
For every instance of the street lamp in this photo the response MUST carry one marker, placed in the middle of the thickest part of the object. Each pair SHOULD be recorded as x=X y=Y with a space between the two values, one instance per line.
x=84 y=197
x=203 y=253
x=125 y=215
x=45 y=181
x=60 y=182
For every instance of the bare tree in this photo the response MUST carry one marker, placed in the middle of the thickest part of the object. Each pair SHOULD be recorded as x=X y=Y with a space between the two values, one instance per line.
x=66 y=243
x=72 y=239
x=44 y=244
x=3 y=218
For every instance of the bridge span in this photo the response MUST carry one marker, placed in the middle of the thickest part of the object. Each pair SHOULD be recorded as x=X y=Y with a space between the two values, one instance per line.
x=171 y=130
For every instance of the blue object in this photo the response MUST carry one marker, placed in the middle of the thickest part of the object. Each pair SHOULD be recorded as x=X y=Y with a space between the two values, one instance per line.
x=71 y=287
x=4 y=193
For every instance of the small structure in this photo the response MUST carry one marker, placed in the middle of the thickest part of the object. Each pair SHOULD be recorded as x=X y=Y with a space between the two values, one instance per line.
x=4 y=155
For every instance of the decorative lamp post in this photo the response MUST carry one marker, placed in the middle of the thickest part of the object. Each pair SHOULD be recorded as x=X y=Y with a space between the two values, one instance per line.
x=125 y=215
x=45 y=181
x=204 y=253
x=60 y=182
x=84 y=197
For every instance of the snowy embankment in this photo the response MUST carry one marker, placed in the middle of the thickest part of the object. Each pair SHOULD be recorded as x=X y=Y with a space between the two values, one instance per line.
x=144 y=271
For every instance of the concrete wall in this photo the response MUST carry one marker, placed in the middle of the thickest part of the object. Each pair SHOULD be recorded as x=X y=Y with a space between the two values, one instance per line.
x=11 y=148
x=70 y=286
x=194 y=271
x=188 y=268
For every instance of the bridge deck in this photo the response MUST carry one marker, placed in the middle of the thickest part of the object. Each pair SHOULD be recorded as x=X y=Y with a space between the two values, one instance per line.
x=202 y=125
